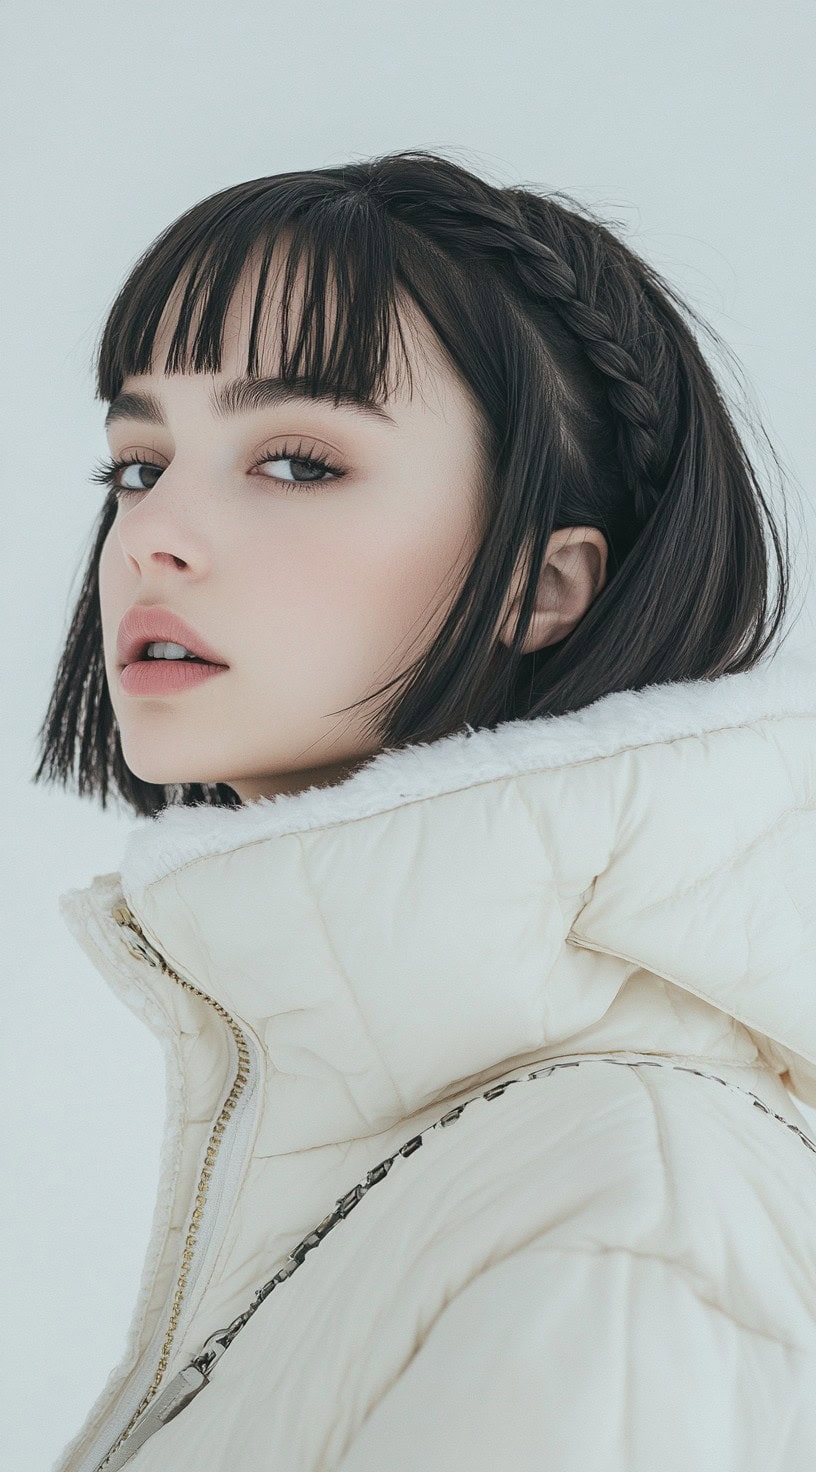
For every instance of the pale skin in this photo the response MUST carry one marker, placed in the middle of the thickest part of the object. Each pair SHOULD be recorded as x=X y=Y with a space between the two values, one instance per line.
x=314 y=591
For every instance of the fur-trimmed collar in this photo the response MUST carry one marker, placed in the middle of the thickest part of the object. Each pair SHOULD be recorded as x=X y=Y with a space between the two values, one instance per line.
x=783 y=685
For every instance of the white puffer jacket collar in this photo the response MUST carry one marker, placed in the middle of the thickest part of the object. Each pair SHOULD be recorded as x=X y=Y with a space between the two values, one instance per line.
x=389 y=931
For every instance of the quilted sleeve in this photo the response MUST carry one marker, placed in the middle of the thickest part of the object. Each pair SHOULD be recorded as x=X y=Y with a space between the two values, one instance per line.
x=591 y=1361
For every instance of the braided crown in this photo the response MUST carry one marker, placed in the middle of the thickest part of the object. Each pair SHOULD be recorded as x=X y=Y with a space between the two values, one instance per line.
x=499 y=227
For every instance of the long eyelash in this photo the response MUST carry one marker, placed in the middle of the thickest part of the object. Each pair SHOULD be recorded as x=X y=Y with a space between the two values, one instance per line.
x=105 y=471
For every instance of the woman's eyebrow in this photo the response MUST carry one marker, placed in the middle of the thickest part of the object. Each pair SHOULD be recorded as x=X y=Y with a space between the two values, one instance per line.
x=241 y=396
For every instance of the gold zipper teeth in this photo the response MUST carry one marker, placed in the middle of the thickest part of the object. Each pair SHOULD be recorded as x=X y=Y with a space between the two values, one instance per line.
x=144 y=951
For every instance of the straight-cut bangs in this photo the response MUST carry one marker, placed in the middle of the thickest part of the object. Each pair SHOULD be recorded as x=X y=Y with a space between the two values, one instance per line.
x=594 y=403
x=342 y=253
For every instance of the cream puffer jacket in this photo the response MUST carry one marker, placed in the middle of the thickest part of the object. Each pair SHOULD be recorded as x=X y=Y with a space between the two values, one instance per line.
x=558 y=981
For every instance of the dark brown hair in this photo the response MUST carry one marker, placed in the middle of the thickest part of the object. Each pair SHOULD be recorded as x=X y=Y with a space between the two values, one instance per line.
x=597 y=408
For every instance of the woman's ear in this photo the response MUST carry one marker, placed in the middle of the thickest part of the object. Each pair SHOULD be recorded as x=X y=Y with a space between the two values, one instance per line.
x=572 y=573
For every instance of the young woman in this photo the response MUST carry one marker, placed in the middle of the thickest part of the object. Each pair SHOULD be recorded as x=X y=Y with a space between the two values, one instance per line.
x=427 y=622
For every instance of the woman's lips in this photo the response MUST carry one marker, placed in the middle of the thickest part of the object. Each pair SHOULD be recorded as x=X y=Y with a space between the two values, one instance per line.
x=165 y=676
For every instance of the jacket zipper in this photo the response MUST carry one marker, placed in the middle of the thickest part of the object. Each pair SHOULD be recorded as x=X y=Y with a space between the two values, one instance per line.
x=219 y=1172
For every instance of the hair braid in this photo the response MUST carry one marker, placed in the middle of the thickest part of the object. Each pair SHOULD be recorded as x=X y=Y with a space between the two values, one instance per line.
x=487 y=228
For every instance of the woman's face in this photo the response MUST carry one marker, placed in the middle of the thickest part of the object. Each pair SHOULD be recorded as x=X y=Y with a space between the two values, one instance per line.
x=313 y=587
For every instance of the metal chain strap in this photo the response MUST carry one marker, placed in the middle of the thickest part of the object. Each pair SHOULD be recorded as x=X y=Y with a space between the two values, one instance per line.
x=219 y=1342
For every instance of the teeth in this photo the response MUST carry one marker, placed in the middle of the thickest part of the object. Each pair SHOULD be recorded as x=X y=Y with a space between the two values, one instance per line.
x=166 y=650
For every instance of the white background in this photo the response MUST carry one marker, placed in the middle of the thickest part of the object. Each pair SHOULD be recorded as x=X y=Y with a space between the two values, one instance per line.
x=690 y=126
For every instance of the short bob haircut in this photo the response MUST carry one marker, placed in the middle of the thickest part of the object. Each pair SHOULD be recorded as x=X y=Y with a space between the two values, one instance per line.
x=597 y=408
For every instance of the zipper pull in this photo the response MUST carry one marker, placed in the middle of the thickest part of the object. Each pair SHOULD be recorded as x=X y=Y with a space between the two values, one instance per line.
x=137 y=945
x=168 y=1403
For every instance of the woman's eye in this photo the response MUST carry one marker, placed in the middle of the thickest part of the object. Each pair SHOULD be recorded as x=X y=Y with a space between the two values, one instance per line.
x=109 y=471
x=316 y=467
x=134 y=469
